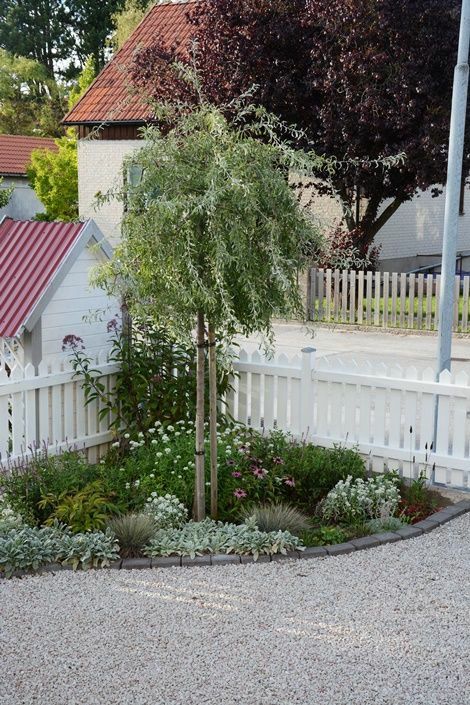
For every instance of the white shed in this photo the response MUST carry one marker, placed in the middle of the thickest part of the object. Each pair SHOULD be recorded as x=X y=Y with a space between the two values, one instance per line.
x=45 y=292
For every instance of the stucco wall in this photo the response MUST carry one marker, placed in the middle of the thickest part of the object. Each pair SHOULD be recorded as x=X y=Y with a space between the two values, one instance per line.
x=23 y=204
x=99 y=169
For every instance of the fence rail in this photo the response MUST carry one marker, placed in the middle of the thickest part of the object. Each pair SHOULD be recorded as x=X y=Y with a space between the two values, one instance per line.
x=48 y=410
x=388 y=413
x=388 y=300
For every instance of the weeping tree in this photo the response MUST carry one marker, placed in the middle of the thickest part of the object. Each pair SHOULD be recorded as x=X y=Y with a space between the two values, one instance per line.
x=212 y=237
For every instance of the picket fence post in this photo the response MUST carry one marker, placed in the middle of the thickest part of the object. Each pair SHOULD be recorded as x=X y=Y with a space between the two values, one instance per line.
x=307 y=392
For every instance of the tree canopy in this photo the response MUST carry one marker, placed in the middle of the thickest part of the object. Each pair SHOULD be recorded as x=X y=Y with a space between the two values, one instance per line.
x=364 y=81
x=54 y=178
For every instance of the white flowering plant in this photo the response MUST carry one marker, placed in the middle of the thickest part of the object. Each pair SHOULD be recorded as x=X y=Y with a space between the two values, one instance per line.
x=167 y=511
x=357 y=500
x=9 y=519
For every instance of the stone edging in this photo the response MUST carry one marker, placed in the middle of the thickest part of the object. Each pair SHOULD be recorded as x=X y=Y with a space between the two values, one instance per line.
x=408 y=532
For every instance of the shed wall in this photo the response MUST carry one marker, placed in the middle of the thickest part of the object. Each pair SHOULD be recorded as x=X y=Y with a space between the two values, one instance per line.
x=73 y=301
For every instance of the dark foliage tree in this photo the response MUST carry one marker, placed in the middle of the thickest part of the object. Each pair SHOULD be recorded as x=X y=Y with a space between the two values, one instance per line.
x=94 y=22
x=365 y=79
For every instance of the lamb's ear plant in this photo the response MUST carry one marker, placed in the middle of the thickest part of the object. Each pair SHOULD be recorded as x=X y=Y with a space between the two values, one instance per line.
x=212 y=235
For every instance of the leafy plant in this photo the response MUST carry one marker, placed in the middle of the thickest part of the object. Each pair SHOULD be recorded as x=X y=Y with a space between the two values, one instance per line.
x=354 y=501
x=85 y=510
x=132 y=532
x=376 y=526
x=197 y=538
x=29 y=548
x=278 y=516
x=324 y=536
x=167 y=512
x=24 y=485
x=9 y=519
x=156 y=379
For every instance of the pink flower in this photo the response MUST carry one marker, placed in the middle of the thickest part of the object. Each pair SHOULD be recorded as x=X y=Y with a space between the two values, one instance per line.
x=259 y=472
x=239 y=493
x=236 y=474
x=289 y=481
x=72 y=342
x=278 y=461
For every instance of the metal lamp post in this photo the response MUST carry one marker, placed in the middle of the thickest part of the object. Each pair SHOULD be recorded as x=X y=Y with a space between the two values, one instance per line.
x=454 y=179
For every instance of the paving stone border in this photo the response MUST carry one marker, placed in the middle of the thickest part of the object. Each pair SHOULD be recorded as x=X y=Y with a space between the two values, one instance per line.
x=339 y=549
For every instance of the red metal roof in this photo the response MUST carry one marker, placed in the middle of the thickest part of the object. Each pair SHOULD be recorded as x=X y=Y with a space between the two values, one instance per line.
x=31 y=254
x=15 y=152
x=110 y=97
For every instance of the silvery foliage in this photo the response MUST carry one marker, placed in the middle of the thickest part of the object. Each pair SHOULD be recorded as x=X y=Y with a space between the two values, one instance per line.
x=29 y=548
x=359 y=500
x=196 y=538
x=376 y=526
x=167 y=511
x=8 y=518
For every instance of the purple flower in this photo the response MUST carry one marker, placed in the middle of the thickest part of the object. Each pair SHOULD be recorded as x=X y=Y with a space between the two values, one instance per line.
x=236 y=474
x=239 y=493
x=278 y=461
x=112 y=326
x=230 y=462
x=259 y=472
x=289 y=481
x=72 y=342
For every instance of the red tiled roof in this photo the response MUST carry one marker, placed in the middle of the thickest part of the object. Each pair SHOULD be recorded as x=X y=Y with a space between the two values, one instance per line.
x=110 y=97
x=31 y=254
x=15 y=152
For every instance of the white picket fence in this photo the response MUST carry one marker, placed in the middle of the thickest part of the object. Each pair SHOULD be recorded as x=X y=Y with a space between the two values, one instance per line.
x=388 y=413
x=48 y=410
x=388 y=300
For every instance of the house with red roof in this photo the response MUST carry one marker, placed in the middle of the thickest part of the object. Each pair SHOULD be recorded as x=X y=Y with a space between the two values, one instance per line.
x=15 y=155
x=45 y=292
x=109 y=115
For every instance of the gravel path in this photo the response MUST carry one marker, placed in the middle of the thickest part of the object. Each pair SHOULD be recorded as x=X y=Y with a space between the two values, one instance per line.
x=390 y=626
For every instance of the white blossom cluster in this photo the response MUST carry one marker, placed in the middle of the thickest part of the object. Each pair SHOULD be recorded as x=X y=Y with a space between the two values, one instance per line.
x=167 y=510
x=9 y=519
x=357 y=500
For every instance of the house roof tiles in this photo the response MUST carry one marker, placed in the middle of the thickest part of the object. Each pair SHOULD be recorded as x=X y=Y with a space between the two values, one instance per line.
x=15 y=152
x=110 y=98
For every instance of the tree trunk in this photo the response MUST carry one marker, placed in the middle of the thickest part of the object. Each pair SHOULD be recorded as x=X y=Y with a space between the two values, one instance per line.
x=199 y=490
x=213 y=420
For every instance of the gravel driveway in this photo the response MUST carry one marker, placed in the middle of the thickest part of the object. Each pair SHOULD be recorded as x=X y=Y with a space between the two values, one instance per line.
x=387 y=626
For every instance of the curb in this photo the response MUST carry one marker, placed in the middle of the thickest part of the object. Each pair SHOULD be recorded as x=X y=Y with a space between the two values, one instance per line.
x=434 y=521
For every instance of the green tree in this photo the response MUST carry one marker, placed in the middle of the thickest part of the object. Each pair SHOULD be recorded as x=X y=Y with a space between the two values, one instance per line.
x=41 y=30
x=212 y=235
x=93 y=25
x=54 y=177
x=30 y=101
x=85 y=79
x=127 y=20
x=5 y=194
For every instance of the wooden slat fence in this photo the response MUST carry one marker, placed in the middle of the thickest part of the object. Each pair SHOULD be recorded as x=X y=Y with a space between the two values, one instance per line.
x=388 y=413
x=48 y=410
x=383 y=299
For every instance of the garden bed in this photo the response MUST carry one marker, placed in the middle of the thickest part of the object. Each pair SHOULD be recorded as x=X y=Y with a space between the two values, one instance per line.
x=277 y=498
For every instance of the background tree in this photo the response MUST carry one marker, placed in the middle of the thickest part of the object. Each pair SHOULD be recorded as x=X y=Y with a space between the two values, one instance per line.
x=212 y=235
x=54 y=178
x=364 y=80
x=93 y=25
x=31 y=103
x=5 y=194
x=41 y=30
x=127 y=19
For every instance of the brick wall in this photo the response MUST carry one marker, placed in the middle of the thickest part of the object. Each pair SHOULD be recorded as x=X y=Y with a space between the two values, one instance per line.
x=99 y=169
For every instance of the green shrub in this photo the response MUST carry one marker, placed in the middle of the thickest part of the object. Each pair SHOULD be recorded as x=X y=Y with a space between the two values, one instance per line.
x=376 y=526
x=133 y=532
x=278 y=516
x=9 y=519
x=355 y=501
x=324 y=536
x=25 y=485
x=29 y=548
x=166 y=511
x=85 y=510
x=197 y=538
